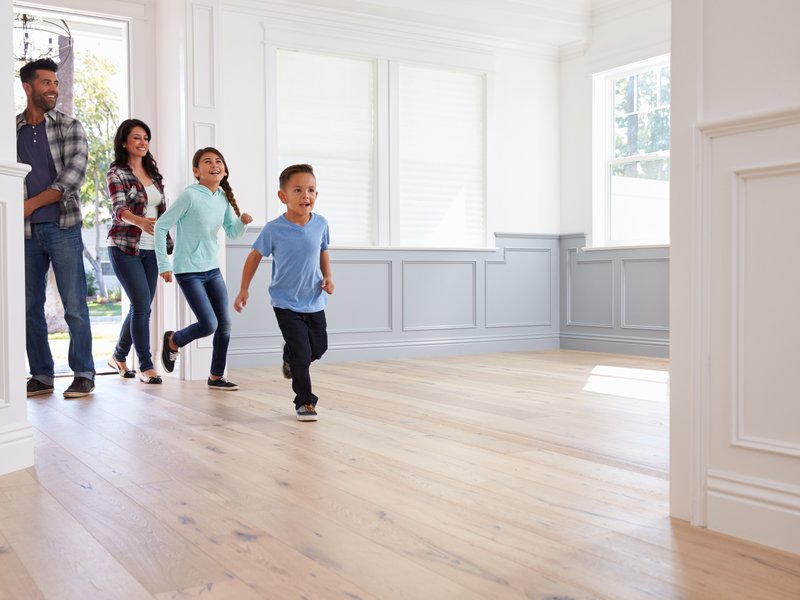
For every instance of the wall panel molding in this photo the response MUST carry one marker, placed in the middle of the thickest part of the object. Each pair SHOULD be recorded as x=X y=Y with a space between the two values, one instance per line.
x=203 y=55
x=204 y=134
x=629 y=285
x=751 y=122
x=517 y=294
x=625 y=322
x=746 y=207
x=574 y=280
x=406 y=302
x=441 y=304
x=742 y=284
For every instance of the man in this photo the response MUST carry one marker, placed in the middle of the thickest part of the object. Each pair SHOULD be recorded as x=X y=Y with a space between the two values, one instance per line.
x=55 y=146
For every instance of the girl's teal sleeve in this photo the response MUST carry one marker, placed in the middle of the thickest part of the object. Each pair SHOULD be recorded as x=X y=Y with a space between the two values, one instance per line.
x=233 y=225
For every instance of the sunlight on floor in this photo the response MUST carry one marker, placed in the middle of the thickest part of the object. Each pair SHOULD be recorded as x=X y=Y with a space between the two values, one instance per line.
x=626 y=382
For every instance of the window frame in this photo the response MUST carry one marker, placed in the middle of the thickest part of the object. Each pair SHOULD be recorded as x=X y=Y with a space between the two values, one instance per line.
x=603 y=159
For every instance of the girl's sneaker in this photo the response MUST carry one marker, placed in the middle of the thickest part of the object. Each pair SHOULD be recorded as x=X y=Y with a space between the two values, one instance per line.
x=222 y=384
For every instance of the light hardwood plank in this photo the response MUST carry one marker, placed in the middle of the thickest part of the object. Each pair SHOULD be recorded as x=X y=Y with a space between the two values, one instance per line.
x=489 y=477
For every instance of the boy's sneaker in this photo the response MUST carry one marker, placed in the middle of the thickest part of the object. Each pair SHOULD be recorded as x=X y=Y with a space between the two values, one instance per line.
x=80 y=386
x=222 y=384
x=37 y=388
x=307 y=412
x=287 y=370
x=168 y=356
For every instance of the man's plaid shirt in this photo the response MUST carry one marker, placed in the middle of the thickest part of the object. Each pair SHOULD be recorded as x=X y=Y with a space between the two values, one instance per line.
x=127 y=193
x=70 y=151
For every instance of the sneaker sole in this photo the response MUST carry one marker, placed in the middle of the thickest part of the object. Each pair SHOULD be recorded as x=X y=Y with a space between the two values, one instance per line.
x=307 y=417
x=223 y=389
x=77 y=394
x=41 y=392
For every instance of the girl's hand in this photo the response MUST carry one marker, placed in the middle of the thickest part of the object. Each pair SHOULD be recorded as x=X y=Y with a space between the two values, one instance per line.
x=167 y=276
x=147 y=225
x=327 y=285
x=246 y=219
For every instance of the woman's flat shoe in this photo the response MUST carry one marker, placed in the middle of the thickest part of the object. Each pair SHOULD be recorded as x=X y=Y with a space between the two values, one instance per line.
x=126 y=373
x=153 y=380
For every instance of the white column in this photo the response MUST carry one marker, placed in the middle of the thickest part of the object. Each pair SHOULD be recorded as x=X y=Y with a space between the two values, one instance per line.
x=735 y=458
x=189 y=117
x=16 y=435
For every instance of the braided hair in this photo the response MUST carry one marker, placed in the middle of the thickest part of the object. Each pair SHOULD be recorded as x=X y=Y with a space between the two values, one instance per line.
x=224 y=184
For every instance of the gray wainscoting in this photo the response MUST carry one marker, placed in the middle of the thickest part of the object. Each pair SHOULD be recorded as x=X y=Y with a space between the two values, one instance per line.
x=531 y=292
x=614 y=299
x=393 y=302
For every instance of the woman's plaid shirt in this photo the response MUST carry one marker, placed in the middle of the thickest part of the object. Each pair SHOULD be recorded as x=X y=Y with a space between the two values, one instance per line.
x=127 y=193
x=70 y=151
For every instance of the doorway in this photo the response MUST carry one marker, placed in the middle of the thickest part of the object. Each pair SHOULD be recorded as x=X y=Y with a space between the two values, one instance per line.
x=92 y=54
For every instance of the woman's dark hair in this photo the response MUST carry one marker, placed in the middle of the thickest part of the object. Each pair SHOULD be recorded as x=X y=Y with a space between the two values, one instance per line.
x=121 y=156
x=226 y=187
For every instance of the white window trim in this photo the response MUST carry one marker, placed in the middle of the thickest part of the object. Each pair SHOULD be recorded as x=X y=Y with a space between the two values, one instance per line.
x=603 y=150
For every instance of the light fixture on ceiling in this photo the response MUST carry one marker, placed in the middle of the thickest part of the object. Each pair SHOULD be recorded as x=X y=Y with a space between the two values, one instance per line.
x=41 y=37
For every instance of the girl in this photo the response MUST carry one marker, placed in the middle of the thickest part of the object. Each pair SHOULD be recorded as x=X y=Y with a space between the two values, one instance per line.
x=136 y=189
x=198 y=213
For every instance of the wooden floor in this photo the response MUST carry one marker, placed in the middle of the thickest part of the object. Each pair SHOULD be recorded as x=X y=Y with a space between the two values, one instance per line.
x=527 y=475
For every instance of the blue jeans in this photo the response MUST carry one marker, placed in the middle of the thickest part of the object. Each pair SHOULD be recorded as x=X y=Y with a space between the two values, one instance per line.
x=138 y=276
x=63 y=248
x=306 y=338
x=208 y=298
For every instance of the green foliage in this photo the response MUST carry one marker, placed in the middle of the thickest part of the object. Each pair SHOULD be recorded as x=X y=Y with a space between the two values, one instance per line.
x=641 y=104
x=104 y=309
x=96 y=108
x=91 y=284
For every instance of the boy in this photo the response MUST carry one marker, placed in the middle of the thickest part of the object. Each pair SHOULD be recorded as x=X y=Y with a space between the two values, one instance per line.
x=301 y=271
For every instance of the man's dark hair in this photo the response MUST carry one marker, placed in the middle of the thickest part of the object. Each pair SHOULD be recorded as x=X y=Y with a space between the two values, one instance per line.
x=289 y=171
x=28 y=71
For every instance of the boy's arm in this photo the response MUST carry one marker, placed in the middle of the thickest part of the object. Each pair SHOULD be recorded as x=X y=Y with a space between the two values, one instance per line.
x=325 y=267
x=248 y=271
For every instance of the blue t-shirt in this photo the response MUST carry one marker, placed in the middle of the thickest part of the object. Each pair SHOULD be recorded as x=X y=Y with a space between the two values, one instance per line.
x=33 y=150
x=296 y=276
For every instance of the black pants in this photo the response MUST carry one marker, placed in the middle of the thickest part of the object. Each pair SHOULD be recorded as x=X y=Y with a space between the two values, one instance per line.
x=306 y=340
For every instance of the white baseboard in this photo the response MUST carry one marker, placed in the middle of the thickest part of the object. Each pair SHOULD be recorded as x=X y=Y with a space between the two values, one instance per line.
x=763 y=511
x=259 y=357
x=615 y=344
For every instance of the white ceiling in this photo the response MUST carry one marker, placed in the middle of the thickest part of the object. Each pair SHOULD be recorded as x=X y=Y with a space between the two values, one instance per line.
x=551 y=22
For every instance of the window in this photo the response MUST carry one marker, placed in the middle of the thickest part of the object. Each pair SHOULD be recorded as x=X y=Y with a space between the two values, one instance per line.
x=440 y=158
x=398 y=149
x=631 y=155
x=326 y=108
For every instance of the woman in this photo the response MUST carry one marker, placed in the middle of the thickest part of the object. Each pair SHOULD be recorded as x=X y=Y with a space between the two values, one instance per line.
x=137 y=195
x=198 y=213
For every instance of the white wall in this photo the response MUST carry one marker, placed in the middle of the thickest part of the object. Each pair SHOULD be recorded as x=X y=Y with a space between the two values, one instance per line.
x=524 y=192
x=523 y=134
x=619 y=36
x=735 y=419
